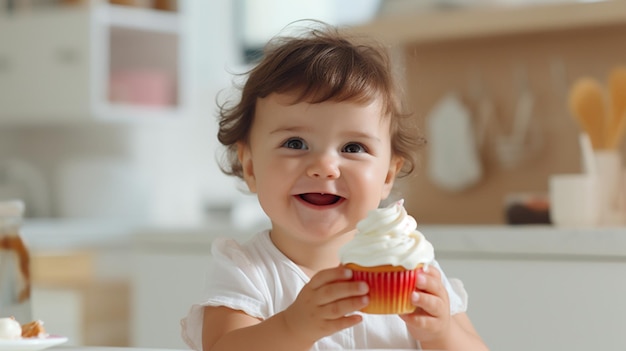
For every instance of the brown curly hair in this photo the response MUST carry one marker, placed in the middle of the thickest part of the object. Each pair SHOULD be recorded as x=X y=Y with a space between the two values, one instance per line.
x=322 y=64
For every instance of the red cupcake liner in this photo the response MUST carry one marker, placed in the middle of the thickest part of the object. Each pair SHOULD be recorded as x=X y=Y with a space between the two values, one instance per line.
x=389 y=292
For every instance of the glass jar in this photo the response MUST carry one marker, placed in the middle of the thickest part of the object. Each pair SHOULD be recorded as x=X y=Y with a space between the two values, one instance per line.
x=15 y=278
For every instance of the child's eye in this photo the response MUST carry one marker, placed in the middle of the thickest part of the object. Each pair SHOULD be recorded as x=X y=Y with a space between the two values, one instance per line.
x=354 y=148
x=295 y=143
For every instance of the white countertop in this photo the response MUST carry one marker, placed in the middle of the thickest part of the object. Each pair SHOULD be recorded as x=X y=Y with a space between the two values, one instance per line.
x=528 y=240
x=51 y=234
x=468 y=240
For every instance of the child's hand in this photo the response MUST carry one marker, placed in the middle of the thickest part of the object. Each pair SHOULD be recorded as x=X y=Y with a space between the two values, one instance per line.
x=431 y=319
x=322 y=306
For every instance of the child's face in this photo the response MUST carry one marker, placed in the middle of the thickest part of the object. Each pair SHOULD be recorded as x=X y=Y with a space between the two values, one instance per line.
x=318 y=168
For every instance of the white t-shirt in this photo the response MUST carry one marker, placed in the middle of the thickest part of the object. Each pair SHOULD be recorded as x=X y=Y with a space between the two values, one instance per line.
x=258 y=279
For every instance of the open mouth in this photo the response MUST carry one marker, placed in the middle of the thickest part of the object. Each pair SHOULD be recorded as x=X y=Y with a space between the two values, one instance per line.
x=319 y=199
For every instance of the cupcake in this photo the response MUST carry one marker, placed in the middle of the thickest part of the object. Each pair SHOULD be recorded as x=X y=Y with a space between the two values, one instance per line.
x=388 y=253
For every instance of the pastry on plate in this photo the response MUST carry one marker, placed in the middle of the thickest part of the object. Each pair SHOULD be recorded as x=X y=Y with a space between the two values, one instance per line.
x=33 y=329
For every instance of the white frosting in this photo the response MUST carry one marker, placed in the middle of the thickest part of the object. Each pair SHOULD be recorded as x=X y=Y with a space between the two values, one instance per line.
x=388 y=236
x=10 y=329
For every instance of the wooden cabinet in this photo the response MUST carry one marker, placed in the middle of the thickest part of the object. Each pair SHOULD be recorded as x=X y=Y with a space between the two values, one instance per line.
x=97 y=61
x=74 y=301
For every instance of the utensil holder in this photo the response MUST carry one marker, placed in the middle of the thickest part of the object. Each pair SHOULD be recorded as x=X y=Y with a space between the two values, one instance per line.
x=609 y=187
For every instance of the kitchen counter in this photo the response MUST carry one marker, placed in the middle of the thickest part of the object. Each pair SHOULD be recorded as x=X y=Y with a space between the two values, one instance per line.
x=528 y=241
x=521 y=241
x=480 y=241
x=65 y=234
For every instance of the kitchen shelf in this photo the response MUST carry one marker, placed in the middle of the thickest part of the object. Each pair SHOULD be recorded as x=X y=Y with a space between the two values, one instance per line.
x=100 y=62
x=493 y=21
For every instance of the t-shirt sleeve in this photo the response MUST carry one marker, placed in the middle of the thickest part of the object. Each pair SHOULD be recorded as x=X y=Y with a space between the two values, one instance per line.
x=456 y=292
x=233 y=282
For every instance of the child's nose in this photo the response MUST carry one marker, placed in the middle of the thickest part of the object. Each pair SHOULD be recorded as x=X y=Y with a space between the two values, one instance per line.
x=324 y=166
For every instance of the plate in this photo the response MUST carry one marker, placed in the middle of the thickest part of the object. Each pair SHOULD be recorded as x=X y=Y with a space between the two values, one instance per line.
x=31 y=344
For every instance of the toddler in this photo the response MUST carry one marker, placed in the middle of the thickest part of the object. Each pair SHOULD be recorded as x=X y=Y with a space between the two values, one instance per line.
x=319 y=134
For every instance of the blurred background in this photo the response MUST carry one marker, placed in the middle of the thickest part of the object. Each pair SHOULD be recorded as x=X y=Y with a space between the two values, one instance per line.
x=108 y=132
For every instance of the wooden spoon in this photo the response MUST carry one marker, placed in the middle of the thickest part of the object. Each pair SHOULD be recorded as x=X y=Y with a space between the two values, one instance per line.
x=616 y=126
x=587 y=104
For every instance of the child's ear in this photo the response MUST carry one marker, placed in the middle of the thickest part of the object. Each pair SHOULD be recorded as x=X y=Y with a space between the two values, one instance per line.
x=245 y=158
x=394 y=168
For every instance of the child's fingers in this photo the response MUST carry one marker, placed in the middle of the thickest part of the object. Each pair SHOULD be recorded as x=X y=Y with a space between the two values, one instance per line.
x=330 y=275
x=430 y=304
x=431 y=283
x=340 y=290
x=431 y=272
x=343 y=322
x=420 y=321
x=341 y=308
x=431 y=296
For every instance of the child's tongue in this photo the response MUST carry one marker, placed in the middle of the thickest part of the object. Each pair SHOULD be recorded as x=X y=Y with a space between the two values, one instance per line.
x=320 y=199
